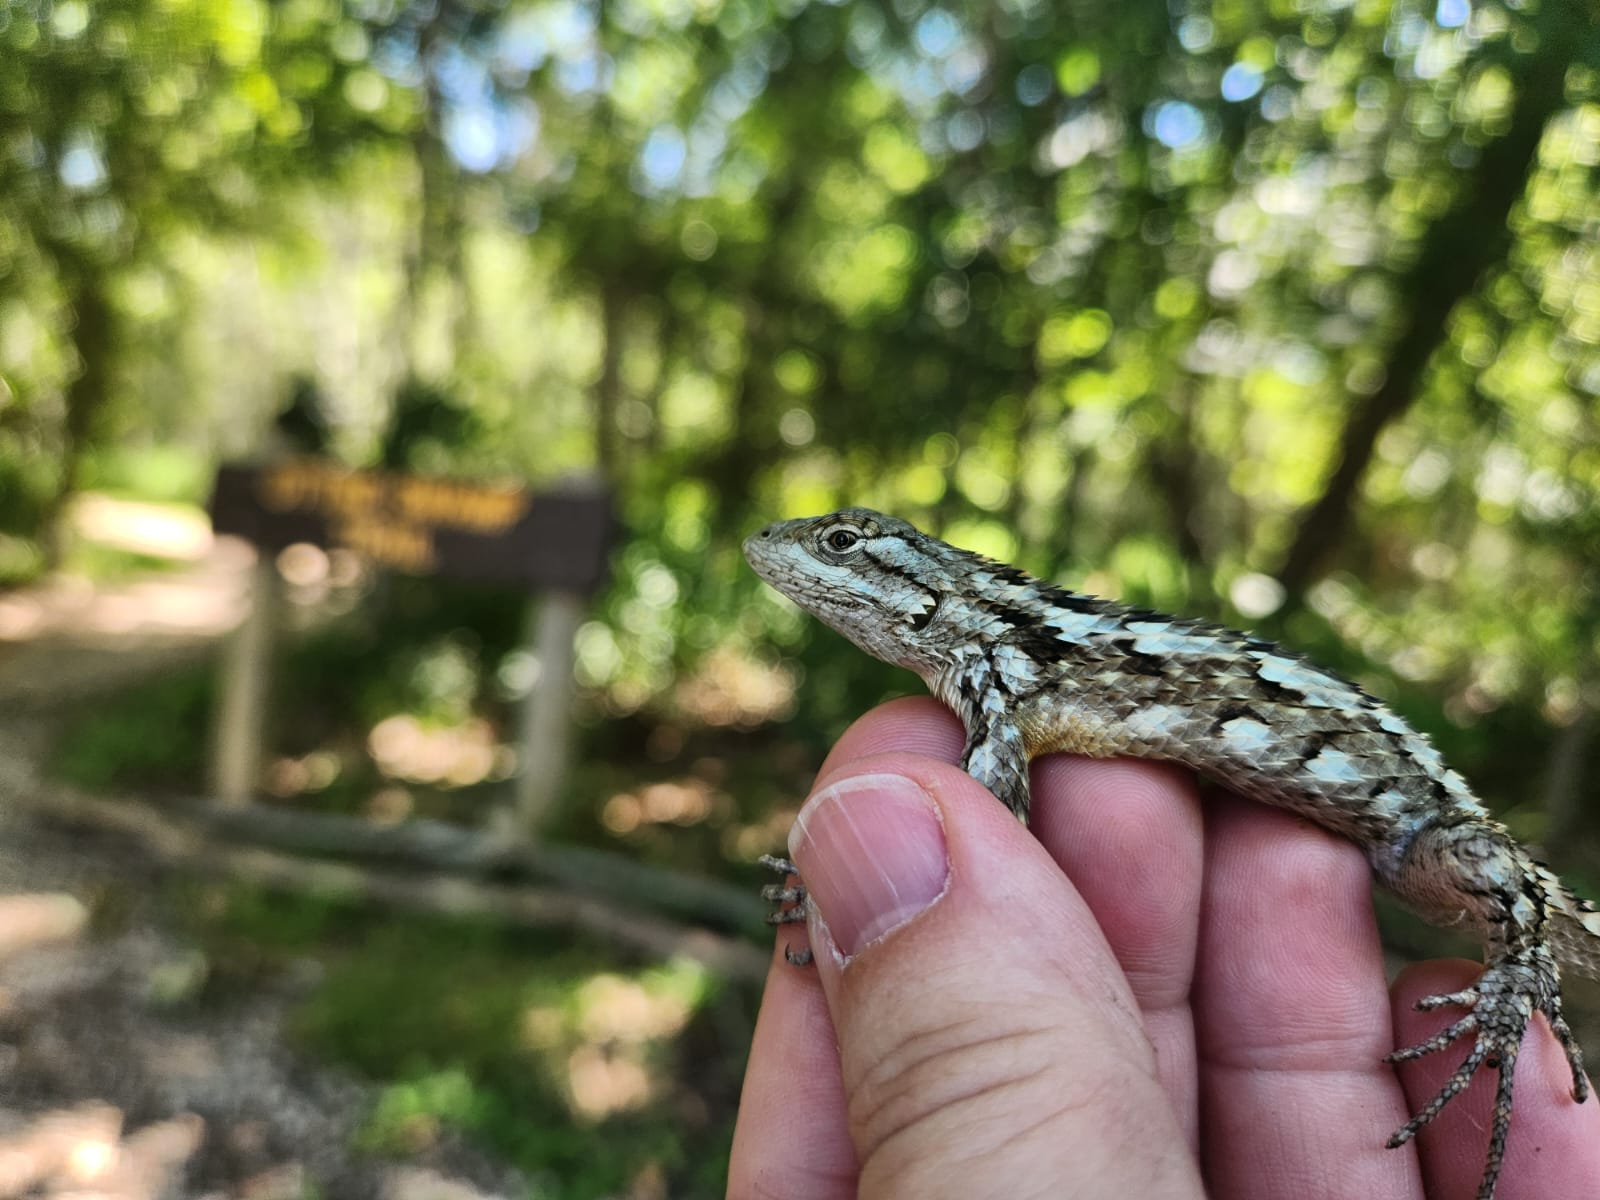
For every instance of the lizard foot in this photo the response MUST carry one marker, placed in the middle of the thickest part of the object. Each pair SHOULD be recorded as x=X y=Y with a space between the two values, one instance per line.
x=791 y=901
x=1499 y=1007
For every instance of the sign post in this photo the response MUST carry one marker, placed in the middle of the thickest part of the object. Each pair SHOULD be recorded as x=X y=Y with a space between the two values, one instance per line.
x=554 y=541
x=545 y=724
x=246 y=689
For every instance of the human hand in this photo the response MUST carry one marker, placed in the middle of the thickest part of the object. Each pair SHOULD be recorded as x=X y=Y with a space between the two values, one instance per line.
x=1143 y=993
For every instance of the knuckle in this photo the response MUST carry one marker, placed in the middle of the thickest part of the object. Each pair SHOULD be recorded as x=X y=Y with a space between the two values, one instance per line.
x=969 y=1085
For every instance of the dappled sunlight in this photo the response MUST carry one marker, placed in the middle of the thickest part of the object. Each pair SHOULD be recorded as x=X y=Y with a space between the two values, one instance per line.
x=406 y=747
x=745 y=842
x=76 y=1145
x=206 y=600
x=609 y=1034
x=605 y=1081
x=83 y=1152
x=389 y=806
x=289 y=776
x=615 y=1008
x=157 y=530
x=730 y=688
x=619 y=1021
x=680 y=802
x=323 y=581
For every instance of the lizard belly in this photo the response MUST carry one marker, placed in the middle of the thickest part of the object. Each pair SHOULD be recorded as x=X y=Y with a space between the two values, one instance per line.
x=1069 y=729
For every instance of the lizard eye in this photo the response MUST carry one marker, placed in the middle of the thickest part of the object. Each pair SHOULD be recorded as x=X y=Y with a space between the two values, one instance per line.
x=841 y=540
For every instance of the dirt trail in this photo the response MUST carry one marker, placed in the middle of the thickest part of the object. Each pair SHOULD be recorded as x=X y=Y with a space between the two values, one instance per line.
x=113 y=1079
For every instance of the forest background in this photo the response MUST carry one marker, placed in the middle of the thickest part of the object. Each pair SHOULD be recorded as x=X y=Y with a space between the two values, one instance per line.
x=1284 y=313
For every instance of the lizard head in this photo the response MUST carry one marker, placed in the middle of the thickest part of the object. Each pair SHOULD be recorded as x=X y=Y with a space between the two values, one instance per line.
x=875 y=579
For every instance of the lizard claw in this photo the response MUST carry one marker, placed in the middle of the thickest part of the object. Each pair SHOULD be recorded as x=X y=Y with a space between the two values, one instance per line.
x=1500 y=1006
x=792 y=903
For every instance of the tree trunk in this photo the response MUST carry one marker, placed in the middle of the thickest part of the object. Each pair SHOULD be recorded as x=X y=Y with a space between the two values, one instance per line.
x=94 y=339
x=1457 y=251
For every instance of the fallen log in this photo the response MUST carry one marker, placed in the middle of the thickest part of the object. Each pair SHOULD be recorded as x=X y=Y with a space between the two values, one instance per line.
x=454 y=849
x=183 y=841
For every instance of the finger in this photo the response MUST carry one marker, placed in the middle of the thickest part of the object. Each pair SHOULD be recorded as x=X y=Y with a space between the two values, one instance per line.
x=1554 y=1146
x=792 y=1139
x=1292 y=1016
x=989 y=1043
x=1131 y=838
x=909 y=725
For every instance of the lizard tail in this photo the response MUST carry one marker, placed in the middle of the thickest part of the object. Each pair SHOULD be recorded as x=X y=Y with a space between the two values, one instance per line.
x=1574 y=928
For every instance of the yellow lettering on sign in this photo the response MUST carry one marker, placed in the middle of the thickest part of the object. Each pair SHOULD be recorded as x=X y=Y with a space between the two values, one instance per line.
x=390 y=518
x=441 y=503
x=390 y=542
x=292 y=485
x=352 y=496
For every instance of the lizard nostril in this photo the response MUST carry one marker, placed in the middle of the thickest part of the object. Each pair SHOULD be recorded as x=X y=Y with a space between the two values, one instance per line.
x=765 y=533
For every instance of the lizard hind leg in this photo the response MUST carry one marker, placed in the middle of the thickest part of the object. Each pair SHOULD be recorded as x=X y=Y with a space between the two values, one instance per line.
x=1500 y=1007
x=1473 y=872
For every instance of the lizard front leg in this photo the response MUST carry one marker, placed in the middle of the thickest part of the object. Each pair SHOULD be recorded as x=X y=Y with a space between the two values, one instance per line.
x=997 y=758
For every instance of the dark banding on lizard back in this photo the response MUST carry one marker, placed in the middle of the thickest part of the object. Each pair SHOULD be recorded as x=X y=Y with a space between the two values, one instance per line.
x=1039 y=642
x=1232 y=712
x=1009 y=614
x=1136 y=660
x=1074 y=602
x=1015 y=576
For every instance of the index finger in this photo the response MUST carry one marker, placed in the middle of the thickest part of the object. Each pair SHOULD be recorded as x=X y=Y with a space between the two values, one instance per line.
x=1128 y=834
x=1292 y=1016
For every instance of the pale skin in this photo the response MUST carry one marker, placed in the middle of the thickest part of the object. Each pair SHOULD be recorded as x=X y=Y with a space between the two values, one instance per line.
x=1145 y=994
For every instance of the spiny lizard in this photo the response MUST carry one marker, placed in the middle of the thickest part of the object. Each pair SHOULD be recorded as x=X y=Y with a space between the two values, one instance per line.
x=1033 y=669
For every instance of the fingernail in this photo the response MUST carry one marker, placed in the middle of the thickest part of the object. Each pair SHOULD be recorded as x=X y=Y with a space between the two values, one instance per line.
x=872 y=852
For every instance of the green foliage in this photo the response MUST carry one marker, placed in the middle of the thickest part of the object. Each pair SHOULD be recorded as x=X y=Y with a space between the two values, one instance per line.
x=130 y=741
x=168 y=474
x=1110 y=290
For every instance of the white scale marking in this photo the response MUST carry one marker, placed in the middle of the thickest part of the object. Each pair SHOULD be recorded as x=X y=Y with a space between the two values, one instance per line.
x=1245 y=735
x=1159 y=638
x=1015 y=666
x=1077 y=626
x=1422 y=750
x=1335 y=766
x=1158 y=720
x=1318 y=692
x=1389 y=723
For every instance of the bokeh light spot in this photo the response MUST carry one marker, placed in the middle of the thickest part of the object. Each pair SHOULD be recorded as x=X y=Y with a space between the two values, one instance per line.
x=1175 y=124
x=1240 y=82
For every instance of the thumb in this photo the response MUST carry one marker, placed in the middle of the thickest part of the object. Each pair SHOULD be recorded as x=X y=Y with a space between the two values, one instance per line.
x=989 y=1043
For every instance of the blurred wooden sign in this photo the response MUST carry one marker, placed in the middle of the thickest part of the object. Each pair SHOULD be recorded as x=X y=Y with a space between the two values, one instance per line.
x=420 y=525
x=554 y=542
